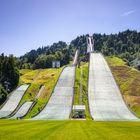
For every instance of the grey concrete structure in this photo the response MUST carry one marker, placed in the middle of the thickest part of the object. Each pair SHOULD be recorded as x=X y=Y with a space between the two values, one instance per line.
x=60 y=103
x=13 y=101
x=105 y=100
x=40 y=91
x=90 y=44
x=22 y=110
x=76 y=57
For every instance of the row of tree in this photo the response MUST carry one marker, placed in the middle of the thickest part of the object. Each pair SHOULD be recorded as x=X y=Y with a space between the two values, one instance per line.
x=125 y=45
x=43 y=57
x=9 y=76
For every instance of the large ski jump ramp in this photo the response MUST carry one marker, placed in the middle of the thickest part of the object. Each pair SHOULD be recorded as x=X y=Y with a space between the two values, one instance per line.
x=13 y=101
x=105 y=99
x=60 y=103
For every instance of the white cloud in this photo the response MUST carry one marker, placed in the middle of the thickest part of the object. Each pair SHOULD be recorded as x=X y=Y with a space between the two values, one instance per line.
x=128 y=13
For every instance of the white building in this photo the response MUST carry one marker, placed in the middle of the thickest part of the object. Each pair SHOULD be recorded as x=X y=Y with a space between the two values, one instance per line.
x=55 y=64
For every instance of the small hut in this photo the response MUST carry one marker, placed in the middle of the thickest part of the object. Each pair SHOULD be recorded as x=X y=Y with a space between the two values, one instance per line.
x=55 y=64
x=78 y=111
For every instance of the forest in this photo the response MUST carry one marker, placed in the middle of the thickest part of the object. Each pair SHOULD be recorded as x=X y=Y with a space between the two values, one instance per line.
x=125 y=45
x=9 y=76
x=43 y=56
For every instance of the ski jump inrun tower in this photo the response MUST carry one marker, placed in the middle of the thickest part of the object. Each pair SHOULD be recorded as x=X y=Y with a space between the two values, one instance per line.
x=90 y=44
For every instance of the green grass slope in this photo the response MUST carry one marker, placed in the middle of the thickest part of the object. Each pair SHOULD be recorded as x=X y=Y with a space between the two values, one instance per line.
x=37 y=78
x=128 y=80
x=84 y=67
x=68 y=130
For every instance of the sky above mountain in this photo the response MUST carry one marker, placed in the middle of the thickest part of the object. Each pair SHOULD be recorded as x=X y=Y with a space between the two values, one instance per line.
x=29 y=24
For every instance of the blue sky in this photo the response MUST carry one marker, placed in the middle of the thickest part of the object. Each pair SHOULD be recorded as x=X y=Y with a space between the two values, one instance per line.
x=29 y=24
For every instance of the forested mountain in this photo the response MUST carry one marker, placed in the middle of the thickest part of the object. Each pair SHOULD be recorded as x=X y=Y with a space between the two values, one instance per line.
x=43 y=57
x=9 y=76
x=125 y=45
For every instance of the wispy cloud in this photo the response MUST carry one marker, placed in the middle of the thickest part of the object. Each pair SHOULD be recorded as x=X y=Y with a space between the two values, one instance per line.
x=128 y=13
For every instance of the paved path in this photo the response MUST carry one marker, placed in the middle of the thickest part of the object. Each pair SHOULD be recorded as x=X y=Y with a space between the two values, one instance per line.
x=13 y=101
x=22 y=110
x=105 y=100
x=60 y=104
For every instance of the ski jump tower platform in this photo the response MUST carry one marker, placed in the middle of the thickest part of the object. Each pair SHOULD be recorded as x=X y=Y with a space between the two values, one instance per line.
x=90 y=44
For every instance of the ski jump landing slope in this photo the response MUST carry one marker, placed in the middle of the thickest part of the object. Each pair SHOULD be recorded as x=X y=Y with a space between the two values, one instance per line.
x=60 y=104
x=105 y=100
x=13 y=101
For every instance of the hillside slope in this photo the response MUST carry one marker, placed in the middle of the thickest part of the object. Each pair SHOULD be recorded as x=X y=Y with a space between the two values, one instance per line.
x=37 y=78
x=128 y=80
x=105 y=100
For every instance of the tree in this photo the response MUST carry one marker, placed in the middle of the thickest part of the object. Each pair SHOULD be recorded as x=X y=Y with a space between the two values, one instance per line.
x=9 y=75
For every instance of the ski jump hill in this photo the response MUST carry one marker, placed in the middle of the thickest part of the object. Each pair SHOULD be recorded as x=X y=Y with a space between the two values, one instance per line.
x=59 y=105
x=105 y=100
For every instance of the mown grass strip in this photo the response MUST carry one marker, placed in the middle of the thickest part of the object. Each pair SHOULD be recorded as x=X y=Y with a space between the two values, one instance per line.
x=69 y=130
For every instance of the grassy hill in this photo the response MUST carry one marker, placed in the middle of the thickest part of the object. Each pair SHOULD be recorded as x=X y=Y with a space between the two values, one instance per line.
x=128 y=80
x=37 y=78
x=68 y=130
